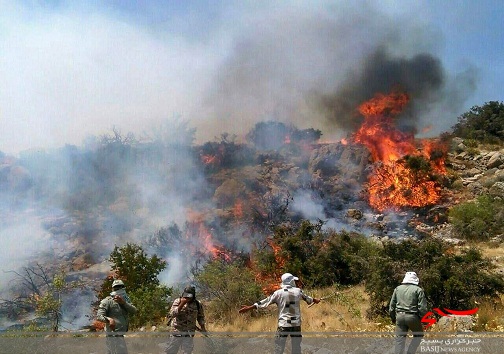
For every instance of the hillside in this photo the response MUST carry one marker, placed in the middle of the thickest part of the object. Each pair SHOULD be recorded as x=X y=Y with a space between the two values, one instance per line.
x=222 y=200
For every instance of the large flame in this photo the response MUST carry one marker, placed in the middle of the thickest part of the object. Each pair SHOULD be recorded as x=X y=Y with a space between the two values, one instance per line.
x=403 y=172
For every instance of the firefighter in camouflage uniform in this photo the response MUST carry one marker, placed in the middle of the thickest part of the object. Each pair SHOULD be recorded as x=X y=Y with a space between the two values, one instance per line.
x=185 y=314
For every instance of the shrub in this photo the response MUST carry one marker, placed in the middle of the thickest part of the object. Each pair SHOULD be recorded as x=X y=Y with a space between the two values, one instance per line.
x=321 y=258
x=453 y=281
x=471 y=143
x=478 y=220
x=229 y=285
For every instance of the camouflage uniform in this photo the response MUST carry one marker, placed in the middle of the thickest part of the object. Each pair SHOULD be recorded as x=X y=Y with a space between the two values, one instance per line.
x=288 y=300
x=184 y=325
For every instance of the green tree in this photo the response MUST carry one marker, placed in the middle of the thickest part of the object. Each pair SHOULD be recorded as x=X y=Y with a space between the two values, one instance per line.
x=49 y=304
x=484 y=124
x=139 y=271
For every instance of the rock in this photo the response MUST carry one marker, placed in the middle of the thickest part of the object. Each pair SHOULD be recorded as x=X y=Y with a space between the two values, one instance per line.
x=476 y=188
x=455 y=323
x=461 y=156
x=454 y=241
x=438 y=214
x=445 y=233
x=455 y=142
x=497 y=190
x=499 y=175
x=424 y=229
x=490 y=172
x=498 y=238
x=496 y=159
x=461 y=147
x=346 y=161
x=472 y=172
x=457 y=167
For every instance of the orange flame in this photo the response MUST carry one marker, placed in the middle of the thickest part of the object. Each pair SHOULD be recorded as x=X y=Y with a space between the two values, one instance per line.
x=378 y=133
x=208 y=159
x=202 y=239
x=279 y=260
x=270 y=281
x=210 y=247
x=393 y=184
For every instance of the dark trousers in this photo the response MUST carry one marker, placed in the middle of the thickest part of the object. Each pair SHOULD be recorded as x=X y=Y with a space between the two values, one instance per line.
x=281 y=339
x=405 y=322
x=116 y=344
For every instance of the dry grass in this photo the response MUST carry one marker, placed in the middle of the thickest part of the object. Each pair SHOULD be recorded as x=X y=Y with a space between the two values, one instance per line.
x=494 y=252
x=344 y=311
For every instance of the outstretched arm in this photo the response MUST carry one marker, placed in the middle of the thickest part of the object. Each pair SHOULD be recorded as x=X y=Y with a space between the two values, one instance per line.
x=246 y=308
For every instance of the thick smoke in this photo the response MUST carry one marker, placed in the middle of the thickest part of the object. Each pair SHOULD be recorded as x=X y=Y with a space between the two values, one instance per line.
x=76 y=204
x=314 y=69
x=421 y=77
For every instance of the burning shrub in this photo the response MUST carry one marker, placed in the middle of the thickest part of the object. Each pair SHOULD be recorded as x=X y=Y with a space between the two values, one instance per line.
x=224 y=154
x=401 y=173
x=321 y=258
x=418 y=164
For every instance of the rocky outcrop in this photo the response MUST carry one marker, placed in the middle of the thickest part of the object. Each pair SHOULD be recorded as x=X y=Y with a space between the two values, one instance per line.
x=481 y=171
x=346 y=161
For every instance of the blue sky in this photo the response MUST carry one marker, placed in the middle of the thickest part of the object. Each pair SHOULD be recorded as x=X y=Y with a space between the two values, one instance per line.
x=72 y=69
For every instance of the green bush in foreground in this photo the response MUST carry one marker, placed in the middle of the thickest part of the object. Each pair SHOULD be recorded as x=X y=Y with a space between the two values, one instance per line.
x=451 y=280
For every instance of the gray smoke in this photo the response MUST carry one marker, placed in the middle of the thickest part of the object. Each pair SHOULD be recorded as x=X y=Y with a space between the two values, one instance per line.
x=421 y=77
x=314 y=68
